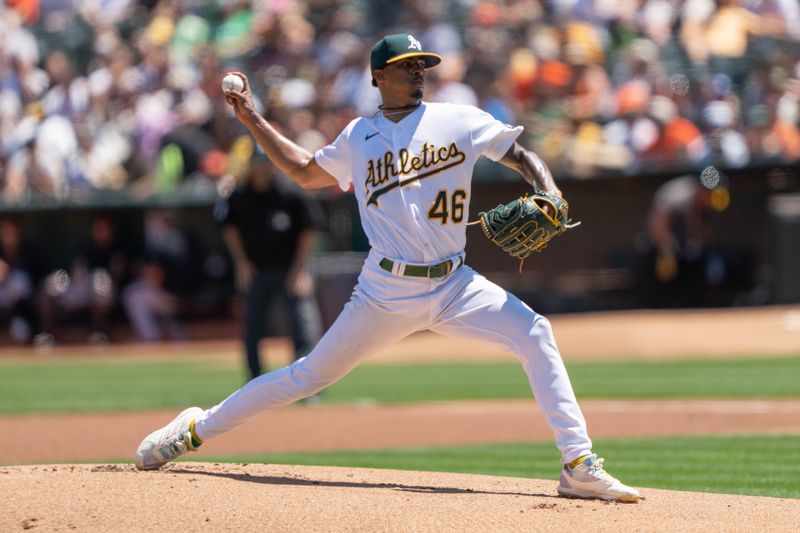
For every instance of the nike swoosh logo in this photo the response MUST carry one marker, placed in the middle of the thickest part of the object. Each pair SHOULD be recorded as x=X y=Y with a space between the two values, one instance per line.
x=371 y=135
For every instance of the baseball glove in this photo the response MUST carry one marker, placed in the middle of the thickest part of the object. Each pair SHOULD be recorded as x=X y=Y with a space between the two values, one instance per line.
x=524 y=226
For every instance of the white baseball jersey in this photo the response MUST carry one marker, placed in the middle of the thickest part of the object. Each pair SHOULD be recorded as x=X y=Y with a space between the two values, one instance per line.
x=412 y=178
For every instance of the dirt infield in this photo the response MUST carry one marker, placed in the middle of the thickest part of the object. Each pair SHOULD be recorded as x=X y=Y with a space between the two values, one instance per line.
x=324 y=428
x=288 y=498
x=192 y=496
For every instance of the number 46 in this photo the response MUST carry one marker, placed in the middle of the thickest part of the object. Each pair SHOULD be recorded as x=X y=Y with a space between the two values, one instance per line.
x=443 y=210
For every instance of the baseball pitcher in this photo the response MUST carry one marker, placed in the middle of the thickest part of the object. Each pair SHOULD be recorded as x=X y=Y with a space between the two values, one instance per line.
x=410 y=167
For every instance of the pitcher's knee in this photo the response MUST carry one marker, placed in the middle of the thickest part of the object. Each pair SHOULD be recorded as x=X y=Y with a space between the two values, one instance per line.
x=541 y=327
x=311 y=378
x=538 y=341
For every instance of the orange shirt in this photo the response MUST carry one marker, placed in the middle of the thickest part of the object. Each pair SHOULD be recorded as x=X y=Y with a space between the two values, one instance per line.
x=677 y=140
x=788 y=138
x=27 y=9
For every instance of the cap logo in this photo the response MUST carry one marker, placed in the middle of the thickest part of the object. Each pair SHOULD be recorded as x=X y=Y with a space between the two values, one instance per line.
x=415 y=44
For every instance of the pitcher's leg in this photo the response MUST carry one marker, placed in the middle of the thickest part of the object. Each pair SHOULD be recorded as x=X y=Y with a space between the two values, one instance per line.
x=488 y=313
x=360 y=330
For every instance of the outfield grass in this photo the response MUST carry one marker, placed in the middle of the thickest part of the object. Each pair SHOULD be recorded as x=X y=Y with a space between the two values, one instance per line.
x=757 y=465
x=86 y=385
x=70 y=386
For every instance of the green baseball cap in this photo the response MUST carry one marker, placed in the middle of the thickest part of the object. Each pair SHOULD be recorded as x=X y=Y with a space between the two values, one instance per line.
x=397 y=47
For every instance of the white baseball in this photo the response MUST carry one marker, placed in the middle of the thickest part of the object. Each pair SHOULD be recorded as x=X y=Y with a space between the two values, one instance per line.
x=232 y=82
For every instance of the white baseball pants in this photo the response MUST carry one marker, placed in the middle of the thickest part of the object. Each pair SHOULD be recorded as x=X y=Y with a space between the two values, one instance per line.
x=385 y=308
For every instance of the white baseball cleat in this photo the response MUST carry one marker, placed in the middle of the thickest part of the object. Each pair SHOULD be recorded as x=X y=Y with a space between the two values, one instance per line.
x=169 y=442
x=589 y=480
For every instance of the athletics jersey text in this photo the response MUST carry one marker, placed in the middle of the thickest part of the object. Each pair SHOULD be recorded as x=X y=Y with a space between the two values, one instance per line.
x=381 y=170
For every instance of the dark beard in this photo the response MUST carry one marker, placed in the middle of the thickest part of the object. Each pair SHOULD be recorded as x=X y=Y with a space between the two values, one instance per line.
x=417 y=94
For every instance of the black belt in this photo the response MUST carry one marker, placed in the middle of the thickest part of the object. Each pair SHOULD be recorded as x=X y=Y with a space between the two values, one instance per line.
x=438 y=270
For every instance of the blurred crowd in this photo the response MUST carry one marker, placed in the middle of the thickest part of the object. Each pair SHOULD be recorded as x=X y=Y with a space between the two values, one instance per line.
x=123 y=95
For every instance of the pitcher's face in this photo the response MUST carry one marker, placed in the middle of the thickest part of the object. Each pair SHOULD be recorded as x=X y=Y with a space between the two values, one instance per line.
x=403 y=81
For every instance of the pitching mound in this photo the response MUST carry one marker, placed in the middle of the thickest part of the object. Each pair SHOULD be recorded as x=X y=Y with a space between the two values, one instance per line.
x=191 y=496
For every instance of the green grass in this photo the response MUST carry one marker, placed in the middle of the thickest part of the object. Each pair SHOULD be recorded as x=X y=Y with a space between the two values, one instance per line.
x=70 y=386
x=628 y=379
x=757 y=465
x=86 y=385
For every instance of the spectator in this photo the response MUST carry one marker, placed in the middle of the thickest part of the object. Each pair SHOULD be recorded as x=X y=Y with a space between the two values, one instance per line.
x=679 y=142
x=90 y=285
x=721 y=36
x=26 y=174
x=451 y=87
x=166 y=277
x=16 y=282
x=269 y=232
x=152 y=309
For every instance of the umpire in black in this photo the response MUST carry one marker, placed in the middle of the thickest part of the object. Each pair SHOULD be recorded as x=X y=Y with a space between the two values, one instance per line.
x=269 y=231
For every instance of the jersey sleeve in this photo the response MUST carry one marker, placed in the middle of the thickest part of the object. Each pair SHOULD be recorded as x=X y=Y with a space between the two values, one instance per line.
x=490 y=137
x=337 y=158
